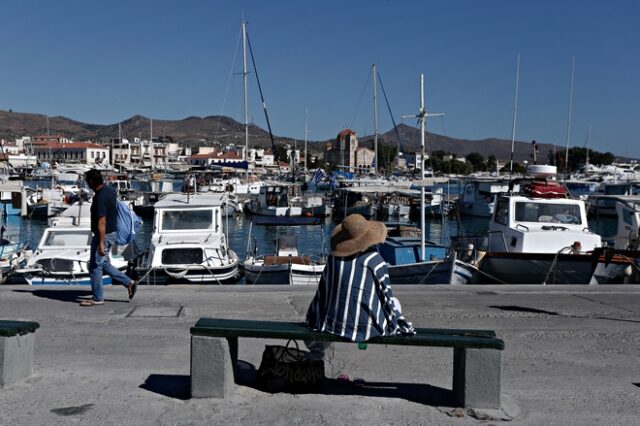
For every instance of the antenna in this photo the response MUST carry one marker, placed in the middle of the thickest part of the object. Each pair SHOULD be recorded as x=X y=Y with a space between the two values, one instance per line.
x=422 y=120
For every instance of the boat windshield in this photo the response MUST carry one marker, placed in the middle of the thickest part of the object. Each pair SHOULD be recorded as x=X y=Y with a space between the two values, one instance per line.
x=548 y=212
x=68 y=238
x=187 y=219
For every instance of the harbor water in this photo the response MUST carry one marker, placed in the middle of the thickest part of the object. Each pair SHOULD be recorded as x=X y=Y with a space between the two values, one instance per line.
x=312 y=239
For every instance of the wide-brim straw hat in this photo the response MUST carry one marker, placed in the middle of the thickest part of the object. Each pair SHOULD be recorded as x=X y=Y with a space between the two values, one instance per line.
x=356 y=234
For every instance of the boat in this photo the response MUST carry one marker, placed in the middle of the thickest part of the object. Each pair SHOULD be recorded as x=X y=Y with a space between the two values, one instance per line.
x=188 y=244
x=46 y=203
x=403 y=254
x=478 y=198
x=273 y=200
x=538 y=236
x=285 y=266
x=62 y=255
x=13 y=255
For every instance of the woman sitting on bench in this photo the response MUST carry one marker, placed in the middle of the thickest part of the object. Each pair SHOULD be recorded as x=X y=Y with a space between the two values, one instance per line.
x=354 y=299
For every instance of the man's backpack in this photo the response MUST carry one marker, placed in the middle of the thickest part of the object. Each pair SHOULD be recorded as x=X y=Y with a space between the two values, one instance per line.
x=128 y=224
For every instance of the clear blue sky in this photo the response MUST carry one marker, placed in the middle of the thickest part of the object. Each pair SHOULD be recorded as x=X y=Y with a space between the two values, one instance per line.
x=103 y=61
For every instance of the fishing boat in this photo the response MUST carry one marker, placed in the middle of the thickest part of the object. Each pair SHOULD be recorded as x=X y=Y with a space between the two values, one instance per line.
x=285 y=266
x=478 y=198
x=13 y=255
x=62 y=255
x=189 y=244
x=406 y=264
x=273 y=200
x=537 y=236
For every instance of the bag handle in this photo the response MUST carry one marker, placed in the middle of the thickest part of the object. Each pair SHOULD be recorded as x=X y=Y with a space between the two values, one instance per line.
x=286 y=347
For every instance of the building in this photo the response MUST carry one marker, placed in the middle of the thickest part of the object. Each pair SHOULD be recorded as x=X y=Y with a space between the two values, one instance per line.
x=120 y=152
x=364 y=159
x=72 y=152
x=342 y=152
x=215 y=158
x=261 y=157
x=49 y=139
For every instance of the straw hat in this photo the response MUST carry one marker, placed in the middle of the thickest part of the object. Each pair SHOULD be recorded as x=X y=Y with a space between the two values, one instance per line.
x=356 y=234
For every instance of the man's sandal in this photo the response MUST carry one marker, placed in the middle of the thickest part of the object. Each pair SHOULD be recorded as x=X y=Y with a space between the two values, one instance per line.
x=91 y=302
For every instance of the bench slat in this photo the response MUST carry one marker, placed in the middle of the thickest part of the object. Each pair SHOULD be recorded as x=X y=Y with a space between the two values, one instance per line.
x=9 y=328
x=289 y=330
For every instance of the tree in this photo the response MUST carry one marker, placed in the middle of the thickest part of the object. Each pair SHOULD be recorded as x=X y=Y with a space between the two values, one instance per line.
x=476 y=161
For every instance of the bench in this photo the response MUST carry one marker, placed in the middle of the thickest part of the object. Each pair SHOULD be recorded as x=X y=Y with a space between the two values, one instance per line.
x=477 y=355
x=16 y=350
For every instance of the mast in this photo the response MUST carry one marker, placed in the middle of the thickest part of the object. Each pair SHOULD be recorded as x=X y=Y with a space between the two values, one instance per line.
x=306 y=131
x=151 y=140
x=375 y=118
x=422 y=119
x=515 y=115
x=246 y=99
x=588 y=145
x=566 y=153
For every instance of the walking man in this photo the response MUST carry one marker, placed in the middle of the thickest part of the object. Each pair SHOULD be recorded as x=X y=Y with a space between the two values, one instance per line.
x=103 y=228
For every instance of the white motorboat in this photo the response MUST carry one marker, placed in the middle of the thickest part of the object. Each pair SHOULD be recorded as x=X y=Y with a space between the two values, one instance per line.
x=478 y=198
x=286 y=266
x=273 y=200
x=62 y=256
x=188 y=244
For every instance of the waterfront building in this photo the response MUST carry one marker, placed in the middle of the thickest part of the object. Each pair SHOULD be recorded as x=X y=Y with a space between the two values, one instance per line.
x=342 y=152
x=72 y=152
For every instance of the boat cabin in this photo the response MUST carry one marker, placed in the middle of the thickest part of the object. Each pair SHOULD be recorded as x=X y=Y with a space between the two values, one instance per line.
x=183 y=214
x=540 y=225
x=628 y=212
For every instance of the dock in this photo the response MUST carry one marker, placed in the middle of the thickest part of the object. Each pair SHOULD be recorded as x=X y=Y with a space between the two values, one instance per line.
x=571 y=357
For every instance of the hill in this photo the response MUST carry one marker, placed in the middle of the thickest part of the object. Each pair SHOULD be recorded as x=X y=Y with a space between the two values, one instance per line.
x=222 y=130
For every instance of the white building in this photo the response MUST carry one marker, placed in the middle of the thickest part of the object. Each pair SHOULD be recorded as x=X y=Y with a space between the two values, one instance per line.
x=72 y=152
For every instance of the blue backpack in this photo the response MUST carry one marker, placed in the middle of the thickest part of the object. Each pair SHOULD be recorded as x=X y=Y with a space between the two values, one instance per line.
x=128 y=224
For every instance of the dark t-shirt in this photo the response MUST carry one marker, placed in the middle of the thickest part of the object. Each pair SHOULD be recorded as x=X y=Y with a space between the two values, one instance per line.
x=104 y=205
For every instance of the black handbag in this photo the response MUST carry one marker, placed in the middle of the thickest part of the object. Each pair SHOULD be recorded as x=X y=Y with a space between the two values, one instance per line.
x=284 y=368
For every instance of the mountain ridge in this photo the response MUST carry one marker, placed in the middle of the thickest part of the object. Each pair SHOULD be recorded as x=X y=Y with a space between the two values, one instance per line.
x=222 y=130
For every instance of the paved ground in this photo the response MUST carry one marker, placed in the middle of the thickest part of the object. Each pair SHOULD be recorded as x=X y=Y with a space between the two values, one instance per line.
x=571 y=357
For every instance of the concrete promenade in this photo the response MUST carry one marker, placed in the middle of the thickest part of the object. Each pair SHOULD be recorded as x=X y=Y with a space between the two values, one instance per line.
x=572 y=357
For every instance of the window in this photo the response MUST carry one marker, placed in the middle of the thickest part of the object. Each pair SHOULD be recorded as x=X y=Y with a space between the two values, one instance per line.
x=502 y=212
x=549 y=213
x=183 y=220
x=68 y=238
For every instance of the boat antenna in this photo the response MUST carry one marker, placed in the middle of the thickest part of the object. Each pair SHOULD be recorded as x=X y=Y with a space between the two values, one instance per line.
x=422 y=121
x=264 y=105
x=515 y=115
x=566 y=153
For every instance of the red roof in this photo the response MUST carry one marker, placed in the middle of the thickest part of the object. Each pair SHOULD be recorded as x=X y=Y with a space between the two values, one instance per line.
x=345 y=132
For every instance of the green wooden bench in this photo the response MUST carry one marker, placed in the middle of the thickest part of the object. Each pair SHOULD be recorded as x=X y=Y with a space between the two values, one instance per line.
x=16 y=350
x=477 y=355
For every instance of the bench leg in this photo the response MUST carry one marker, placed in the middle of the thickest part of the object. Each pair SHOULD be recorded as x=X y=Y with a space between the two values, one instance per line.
x=211 y=367
x=233 y=349
x=16 y=358
x=476 y=377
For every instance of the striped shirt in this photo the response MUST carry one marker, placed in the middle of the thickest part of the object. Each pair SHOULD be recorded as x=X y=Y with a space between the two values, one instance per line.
x=353 y=299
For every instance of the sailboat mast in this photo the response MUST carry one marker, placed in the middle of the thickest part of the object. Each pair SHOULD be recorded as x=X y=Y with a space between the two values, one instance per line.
x=306 y=130
x=246 y=99
x=375 y=117
x=566 y=154
x=588 y=145
x=423 y=129
x=515 y=115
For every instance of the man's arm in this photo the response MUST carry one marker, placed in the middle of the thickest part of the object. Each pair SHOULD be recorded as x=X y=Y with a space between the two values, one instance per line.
x=102 y=231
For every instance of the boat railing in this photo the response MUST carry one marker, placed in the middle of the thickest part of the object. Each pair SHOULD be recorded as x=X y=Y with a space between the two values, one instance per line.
x=480 y=242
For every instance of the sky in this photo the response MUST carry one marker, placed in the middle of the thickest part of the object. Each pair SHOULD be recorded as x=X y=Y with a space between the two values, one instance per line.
x=104 y=61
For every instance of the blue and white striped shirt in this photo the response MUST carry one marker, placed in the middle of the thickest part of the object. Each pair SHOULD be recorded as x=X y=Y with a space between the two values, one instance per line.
x=353 y=299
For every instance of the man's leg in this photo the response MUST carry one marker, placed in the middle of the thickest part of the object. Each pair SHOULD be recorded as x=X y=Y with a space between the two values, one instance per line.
x=108 y=268
x=95 y=271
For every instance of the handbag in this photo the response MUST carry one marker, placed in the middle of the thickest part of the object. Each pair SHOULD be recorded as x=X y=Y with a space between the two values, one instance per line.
x=285 y=368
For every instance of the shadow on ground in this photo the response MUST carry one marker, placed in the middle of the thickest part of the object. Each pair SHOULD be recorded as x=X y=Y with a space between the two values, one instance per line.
x=515 y=308
x=179 y=387
x=66 y=295
x=170 y=385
